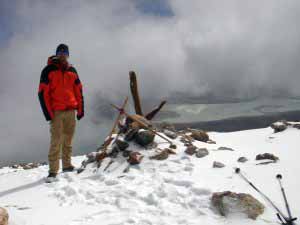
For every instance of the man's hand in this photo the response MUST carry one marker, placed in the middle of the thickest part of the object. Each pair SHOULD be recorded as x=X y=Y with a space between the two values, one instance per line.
x=80 y=116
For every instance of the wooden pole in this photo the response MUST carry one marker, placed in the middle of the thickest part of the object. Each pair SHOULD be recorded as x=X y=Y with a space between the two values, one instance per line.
x=135 y=93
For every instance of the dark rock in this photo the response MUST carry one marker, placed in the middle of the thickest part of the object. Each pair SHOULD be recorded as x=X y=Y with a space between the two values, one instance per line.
x=144 y=137
x=267 y=156
x=164 y=154
x=126 y=153
x=122 y=145
x=167 y=126
x=229 y=202
x=170 y=134
x=191 y=150
x=131 y=134
x=279 y=126
x=200 y=135
x=135 y=158
x=225 y=149
x=242 y=159
x=297 y=126
x=218 y=164
x=211 y=142
x=202 y=152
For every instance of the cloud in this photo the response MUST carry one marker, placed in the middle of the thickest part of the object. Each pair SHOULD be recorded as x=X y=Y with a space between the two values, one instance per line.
x=228 y=48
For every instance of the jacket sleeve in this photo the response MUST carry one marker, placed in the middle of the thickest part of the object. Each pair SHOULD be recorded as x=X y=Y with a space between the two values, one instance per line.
x=79 y=95
x=43 y=94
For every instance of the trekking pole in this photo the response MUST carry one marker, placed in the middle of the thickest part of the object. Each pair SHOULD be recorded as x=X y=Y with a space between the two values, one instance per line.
x=291 y=219
x=280 y=213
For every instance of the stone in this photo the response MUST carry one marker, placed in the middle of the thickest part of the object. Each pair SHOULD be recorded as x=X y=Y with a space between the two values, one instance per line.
x=267 y=156
x=135 y=158
x=202 y=152
x=144 y=137
x=170 y=134
x=122 y=145
x=297 y=126
x=218 y=164
x=200 y=135
x=279 y=126
x=211 y=142
x=167 y=126
x=163 y=155
x=229 y=202
x=191 y=150
x=126 y=153
x=3 y=216
x=242 y=159
x=225 y=149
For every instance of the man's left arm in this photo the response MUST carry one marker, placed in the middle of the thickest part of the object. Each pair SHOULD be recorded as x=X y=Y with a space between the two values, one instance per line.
x=79 y=95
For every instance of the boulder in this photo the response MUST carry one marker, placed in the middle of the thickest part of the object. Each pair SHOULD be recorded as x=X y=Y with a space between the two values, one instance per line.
x=122 y=145
x=279 y=126
x=218 y=164
x=144 y=137
x=170 y=134
x=297 y=126
x=202 y=152
x=135 y=158
x=200 y=135
x=242 y=159
x=3 y=216
x=191 y=150
x=267 y=156
x=228 y=203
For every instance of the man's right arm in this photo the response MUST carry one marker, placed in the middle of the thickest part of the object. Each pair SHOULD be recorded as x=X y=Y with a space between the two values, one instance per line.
x=44 y=95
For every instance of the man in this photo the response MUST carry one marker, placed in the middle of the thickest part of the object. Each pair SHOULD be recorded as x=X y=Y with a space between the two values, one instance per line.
x=60 y=95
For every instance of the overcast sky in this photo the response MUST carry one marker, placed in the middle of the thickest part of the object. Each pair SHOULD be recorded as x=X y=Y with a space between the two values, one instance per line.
x=229 y=48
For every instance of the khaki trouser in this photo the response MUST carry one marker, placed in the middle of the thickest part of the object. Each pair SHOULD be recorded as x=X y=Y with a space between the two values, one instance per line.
x=62 y=129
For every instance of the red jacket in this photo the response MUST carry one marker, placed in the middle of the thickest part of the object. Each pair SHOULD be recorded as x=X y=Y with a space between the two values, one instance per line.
x=60 y=89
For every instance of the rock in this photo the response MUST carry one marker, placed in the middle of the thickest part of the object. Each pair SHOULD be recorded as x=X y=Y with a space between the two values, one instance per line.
x=3 y=216
x=267 y=156
x=242 y=159
x=279 y=126
x=126 y=153
x=170 y=134
x=297 y=126
x=229 y=203
x=202 y=152
x=218 y=164
x=135 y=158
x=163 y=155
x=131 y=134
x=225 y=149
x=191 y=150
x=122 y=145
x=167 y=126
x=144 y=137
x=211 y=142
x=200 y=135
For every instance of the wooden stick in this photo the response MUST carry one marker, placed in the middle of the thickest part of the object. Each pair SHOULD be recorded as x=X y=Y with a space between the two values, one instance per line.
x=144 y=125
x=135 y=93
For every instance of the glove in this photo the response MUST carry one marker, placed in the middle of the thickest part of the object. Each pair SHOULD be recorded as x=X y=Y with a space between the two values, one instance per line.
x=80 y=116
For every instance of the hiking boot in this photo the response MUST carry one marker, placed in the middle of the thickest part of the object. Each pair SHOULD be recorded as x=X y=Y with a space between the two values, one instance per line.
x=68 y=169
x=51 y=178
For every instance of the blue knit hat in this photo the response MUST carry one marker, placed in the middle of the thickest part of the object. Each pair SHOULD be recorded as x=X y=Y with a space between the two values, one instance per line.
x=62 y=49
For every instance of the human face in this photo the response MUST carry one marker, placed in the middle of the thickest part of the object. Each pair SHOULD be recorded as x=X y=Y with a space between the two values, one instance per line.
x=63 y=57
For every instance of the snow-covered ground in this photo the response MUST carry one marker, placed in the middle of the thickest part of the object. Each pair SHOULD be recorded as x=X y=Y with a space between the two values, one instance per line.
x=173 y=191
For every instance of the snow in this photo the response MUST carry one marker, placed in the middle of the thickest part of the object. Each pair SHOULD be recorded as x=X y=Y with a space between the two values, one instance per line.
x=173 y=191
